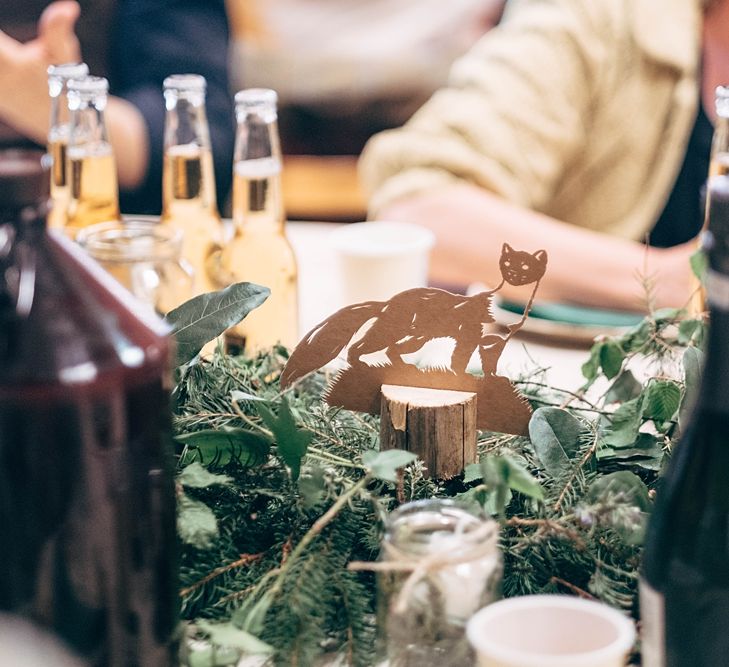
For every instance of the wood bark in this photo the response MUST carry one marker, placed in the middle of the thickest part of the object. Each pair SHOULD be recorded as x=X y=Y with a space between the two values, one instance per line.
x=436 y=424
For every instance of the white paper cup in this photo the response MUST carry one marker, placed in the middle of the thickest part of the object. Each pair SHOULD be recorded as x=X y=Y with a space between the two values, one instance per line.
x=379 y=259
x=550 y=631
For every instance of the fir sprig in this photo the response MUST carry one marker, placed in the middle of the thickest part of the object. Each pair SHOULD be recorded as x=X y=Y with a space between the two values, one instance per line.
x=573 y=498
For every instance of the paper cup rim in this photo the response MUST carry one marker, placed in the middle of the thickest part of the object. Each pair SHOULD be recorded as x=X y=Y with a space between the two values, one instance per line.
x=513 y=656
x=342 y=239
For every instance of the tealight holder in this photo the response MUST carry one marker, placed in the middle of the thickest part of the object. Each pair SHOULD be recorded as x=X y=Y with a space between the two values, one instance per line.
x=439 y=564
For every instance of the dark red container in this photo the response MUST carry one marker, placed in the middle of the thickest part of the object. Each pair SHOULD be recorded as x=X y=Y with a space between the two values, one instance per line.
x=87 y=509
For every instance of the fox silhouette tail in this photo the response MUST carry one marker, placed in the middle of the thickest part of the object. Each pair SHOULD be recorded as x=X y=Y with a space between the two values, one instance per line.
x=327 y=339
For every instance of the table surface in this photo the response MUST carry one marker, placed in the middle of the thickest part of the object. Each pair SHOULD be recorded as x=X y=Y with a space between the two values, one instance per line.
x=320 y=296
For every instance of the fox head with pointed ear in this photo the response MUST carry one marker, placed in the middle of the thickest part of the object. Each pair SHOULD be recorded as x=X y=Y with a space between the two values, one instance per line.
x=521 y=268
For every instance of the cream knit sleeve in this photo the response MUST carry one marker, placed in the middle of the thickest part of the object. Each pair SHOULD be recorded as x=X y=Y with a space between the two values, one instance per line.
x=515 y=113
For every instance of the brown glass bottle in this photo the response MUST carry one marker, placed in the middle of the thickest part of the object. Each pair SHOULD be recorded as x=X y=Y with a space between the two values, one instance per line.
x=87 y=514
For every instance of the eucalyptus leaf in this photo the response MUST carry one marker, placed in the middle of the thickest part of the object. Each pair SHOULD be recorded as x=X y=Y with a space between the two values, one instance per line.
x=196 y=523
x=646 y=446
x=249 y=448
x=472 y=473
x=520 y=479
x=291 y=441
x=693 y=363
x=477 y=498
x=636 y=338
x=227 y=635
x=611 y=358
x=205 y=317
x=555 y=436
x=625 y=387
x=624 y=484
x=626 y=421
x=662 y=400
x=198 y=477
x=699 y=264
x=691 y=332
x=384 y=465
x=591 y=367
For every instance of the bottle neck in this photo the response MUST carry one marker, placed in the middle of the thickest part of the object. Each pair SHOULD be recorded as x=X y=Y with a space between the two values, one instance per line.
x=257 y=191
x=188 y=176
x=713 y=395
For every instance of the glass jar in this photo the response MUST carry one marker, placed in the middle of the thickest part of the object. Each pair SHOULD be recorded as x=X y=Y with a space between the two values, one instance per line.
x=143 y=256
x=439 y=564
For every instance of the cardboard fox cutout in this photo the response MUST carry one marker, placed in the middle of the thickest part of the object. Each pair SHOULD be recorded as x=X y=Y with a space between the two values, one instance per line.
x=403 y=326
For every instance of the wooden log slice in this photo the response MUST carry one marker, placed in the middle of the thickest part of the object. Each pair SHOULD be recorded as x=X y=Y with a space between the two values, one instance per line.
x=438 y=425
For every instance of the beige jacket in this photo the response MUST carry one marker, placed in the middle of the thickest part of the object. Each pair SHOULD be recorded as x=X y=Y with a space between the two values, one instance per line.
x=580 y=109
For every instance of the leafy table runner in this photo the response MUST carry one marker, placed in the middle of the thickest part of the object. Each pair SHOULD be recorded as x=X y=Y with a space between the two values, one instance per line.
x=278 y=492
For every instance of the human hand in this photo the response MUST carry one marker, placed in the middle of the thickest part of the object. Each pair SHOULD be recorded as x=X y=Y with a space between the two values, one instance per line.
x=24 y=101
x=674 y=280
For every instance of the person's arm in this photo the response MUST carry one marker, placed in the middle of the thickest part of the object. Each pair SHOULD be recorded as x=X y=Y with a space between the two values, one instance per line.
x=156 y=38
x=493 y=147
x=585 y=267
x=24 y=99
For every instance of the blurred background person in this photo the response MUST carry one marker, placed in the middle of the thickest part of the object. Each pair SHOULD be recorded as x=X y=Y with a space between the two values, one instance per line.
x=135 y=44
x=345 y=70
x=581 y=127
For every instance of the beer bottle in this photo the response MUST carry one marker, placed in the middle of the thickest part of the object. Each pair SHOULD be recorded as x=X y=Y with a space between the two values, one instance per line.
x=188 y=178
x=94 y=190
x=87 y=503
x=58 y=78
x=684 y=593
x=259 y=251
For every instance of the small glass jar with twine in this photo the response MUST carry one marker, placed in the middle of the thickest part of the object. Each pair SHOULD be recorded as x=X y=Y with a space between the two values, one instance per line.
x=439 y=564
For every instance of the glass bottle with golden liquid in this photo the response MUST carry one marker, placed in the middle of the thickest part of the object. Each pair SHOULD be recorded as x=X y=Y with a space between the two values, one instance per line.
x=58 y=78
x=93 y=186
x=259 y=251
x=188 y=177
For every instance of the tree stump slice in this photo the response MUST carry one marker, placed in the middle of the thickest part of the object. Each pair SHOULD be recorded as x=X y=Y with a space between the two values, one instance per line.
x=438 y=425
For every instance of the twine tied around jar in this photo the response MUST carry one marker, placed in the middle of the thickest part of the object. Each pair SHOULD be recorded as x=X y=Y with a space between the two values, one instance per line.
x=476 y=543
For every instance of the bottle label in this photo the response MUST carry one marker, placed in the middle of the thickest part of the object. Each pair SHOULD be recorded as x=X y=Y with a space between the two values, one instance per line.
x=653 y=622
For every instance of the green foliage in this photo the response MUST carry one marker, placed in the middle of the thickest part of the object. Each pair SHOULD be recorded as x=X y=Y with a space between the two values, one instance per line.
x=384 y=465
x=222 y=445
x=291 y=441
x=205 y=317
x=281 y=492
x=555 y=436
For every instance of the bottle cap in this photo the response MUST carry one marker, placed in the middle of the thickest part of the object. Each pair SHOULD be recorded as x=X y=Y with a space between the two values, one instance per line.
x=87 y=88
x=24 y=178
x=256 y=97
x=68 y=71
x=185 y=82
x=256 y=102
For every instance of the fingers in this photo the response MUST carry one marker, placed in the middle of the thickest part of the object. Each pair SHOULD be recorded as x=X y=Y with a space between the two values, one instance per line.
x=56 y=32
